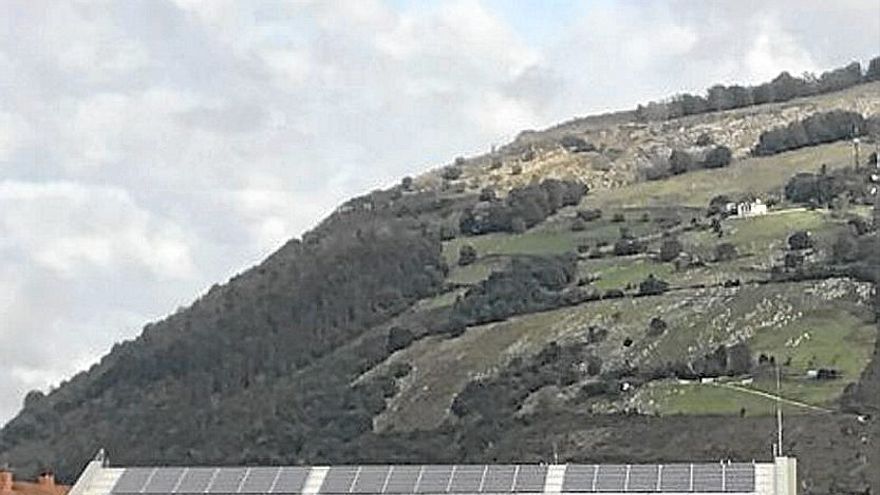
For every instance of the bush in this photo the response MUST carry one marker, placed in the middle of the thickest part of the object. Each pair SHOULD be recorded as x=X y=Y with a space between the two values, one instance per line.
x=719 y=157
x=681 y=162
x=487 y=194
x=653 y=286
x=618 y=218
x=628 y=246
x=459 y=161
x=496 y=164
x=670 y=249
x=530 y=204
x=575 y=144
x=718 y=205
x=451 y=173
x=399 y=338
x=466 y=255
x=516 y=169
x=589 y=215
x=406 y=183
x=816 y=129
x=578 y=225
x=800 y=240
x=656 y=327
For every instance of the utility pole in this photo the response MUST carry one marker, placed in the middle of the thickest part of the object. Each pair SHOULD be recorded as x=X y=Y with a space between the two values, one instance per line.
x=778 y=414
x=855 y=143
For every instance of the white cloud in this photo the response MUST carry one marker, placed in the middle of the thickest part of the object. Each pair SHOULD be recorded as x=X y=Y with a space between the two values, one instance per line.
x=69 y=228
x=774 y=50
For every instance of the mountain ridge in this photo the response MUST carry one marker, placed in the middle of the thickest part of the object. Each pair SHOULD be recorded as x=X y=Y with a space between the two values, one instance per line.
x=300 y=359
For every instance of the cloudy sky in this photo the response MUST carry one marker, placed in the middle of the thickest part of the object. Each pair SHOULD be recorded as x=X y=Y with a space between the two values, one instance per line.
x=151 y=148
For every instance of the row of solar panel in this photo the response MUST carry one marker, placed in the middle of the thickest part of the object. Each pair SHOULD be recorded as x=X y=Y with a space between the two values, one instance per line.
x=413 y=479
x=715 y=478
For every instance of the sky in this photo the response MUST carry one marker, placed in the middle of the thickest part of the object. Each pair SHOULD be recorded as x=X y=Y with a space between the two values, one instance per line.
x=149 y=149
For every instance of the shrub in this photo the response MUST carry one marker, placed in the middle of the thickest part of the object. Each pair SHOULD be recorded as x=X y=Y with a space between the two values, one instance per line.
x=459 y=161
x=628 y=246
x=399 y=338
x=816 y=129
x=466 y=255
x=496 y=164
x=670 y=249
x=487 y=194
x=406 y=183
x=653 y=286
x=578 y=225
x=800 y=240
x=718 y=205
x=589 y=215
x=451 y=173
x=656 y=327
x=516 y=169
x=719 y=157
x=680 y=162
x=575 y=144
x=618 y=217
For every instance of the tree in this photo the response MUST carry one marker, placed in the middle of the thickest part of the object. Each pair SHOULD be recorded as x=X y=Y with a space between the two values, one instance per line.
x=406 y=183
x=467 y=254
x=670 y=249
x=800 y=240
x=873 y=72
x=719 y=157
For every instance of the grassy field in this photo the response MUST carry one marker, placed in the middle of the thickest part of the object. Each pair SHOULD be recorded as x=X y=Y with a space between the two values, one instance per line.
x=758 y=176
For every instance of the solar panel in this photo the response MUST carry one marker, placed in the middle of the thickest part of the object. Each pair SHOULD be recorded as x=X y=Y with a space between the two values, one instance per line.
x=434 y=479
x=132 y=480
x=258 y=479
x=227 y=480
x=611 y=478
x=739 y=478
x=402 y=479
x=499 y=479
x=530 y=479
x=642 y=478
x=290 y=480
x=339 y=479
x=163 y=480
x=370 y=479
x=707 y=478
x=467 y=479
x=196 y=480
x=675 y=478
x=578 y=478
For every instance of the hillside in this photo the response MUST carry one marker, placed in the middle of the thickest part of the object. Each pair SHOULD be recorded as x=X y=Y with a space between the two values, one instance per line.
x=558 y=294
